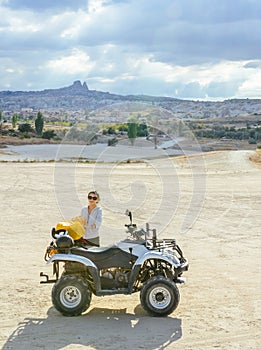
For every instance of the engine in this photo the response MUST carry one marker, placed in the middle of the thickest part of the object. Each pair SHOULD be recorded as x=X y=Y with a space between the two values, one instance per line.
x=115 y=278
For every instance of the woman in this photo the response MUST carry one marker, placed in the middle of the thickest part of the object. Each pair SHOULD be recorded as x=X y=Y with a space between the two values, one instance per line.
x=93 y=215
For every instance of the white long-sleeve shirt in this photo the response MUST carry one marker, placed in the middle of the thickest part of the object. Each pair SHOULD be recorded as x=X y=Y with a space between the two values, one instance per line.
x=94 y=218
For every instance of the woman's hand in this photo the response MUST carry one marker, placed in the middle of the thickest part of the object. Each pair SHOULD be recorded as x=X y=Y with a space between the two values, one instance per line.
x=91 y=227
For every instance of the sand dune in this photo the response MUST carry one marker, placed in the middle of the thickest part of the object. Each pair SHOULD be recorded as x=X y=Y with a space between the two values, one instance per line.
x=211 y=203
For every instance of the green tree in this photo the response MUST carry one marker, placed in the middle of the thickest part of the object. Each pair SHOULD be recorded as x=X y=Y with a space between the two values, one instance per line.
x=132 y=130
x=142 y=130
x=26 y=127
x=39 y=123
x=14 y=120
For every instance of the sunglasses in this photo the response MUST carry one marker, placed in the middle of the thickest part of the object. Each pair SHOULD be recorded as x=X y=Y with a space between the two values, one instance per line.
x=94 y=198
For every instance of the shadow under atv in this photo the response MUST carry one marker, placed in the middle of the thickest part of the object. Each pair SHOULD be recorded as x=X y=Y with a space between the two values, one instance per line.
x=100 y=328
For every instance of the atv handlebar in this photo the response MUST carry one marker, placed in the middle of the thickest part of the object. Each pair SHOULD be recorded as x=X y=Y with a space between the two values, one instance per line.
x=154 y=242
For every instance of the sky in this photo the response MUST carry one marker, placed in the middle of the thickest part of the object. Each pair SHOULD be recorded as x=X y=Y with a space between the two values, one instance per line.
x=189 y=49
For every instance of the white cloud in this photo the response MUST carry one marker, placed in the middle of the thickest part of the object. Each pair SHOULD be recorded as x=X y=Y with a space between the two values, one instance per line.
x=251 y=87
x=10 y=70
x=96 y=6
x=76 y=63
x=177 y=48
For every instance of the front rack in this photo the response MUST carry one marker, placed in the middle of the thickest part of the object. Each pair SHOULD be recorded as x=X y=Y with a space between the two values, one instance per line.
x=153 y=243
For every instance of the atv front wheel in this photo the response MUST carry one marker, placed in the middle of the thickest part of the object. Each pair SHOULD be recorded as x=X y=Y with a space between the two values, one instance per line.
x=71 y=295
x=159 y=296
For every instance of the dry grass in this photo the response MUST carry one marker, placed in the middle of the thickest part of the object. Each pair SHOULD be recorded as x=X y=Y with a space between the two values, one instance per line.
x=256 y=156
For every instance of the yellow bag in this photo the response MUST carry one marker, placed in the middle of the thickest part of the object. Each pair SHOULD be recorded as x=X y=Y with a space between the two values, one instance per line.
x=75 y=228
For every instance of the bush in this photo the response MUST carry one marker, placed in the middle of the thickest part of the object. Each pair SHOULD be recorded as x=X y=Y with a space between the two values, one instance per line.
x=251 y=141
x=57 y=138
x=112 y=142
x=26 y=127
x=48 y=134
x=12 y=133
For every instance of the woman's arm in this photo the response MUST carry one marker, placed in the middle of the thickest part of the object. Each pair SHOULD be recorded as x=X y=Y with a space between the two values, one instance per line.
x=98 y=220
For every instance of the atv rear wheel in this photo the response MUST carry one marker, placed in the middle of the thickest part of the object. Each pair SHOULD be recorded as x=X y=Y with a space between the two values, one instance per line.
x=159 y=296
x=71 y=295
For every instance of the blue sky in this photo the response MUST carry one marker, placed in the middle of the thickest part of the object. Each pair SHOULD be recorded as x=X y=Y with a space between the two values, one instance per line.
x=196 y=49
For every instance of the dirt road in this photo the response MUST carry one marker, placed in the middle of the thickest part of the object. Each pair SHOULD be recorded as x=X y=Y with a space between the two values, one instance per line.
x=210 y=203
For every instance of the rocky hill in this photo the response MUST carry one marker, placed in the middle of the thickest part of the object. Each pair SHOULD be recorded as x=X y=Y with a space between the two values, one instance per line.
x=79 y=97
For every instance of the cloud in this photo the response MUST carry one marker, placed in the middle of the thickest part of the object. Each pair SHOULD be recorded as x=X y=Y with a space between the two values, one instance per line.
x=41 y=5
x=176 y=32
x=78 y=62
x=253 y=64
x=179 y=48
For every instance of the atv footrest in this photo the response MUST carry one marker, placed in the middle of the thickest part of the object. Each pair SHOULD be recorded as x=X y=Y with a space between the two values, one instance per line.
x=112 y=291
x=180 y=280
x=47 y=279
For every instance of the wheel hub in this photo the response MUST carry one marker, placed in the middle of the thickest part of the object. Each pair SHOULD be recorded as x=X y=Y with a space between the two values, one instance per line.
x=70 y=296
x=160 y=297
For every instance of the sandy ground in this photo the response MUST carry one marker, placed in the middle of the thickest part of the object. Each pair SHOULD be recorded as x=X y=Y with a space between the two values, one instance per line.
x=211 y=204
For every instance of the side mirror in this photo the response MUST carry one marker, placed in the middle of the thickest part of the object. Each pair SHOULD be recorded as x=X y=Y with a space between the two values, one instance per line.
x=53 y=232
x=154 y=238
x=129 y=214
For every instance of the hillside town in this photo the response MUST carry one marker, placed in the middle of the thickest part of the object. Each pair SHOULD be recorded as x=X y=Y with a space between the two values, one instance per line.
x=87 y=116
x=78 y=103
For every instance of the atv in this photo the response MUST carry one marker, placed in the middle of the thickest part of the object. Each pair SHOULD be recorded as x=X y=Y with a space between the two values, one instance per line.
x=140 y=263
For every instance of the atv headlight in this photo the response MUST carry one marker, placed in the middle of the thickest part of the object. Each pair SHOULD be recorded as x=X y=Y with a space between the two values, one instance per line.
x=52 y=251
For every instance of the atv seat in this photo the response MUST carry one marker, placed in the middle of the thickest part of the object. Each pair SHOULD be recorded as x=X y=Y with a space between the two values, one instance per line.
x=106 y=257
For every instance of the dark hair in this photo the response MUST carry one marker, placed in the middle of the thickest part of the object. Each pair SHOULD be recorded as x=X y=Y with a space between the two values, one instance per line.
x=96 y=193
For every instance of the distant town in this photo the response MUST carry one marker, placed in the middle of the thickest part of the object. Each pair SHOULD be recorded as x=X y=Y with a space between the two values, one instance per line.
x=106 y=116
x=77 y=101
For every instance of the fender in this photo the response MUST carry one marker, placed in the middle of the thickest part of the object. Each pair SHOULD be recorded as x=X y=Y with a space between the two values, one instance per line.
x=148 y=256
x=173 y=260
x=82 y=260
x=71 y=257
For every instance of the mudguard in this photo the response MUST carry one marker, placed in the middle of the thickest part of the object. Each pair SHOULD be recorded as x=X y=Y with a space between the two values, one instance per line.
x=82 y=260
x=152 y=255
x=71 y=257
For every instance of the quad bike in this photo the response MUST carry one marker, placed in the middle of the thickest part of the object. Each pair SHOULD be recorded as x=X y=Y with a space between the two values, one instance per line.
x=139 y=263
